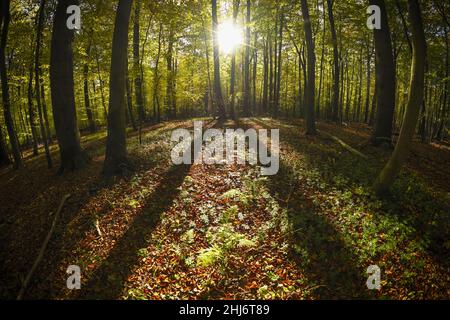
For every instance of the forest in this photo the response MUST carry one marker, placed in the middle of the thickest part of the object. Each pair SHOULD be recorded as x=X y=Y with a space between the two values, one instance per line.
x=354 y=93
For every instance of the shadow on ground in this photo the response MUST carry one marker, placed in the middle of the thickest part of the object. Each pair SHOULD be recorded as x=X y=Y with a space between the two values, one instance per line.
x=317 y=247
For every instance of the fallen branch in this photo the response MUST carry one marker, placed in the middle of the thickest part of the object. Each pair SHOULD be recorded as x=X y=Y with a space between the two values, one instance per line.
x=97 y=226
x=43 y=247
x=346 y=146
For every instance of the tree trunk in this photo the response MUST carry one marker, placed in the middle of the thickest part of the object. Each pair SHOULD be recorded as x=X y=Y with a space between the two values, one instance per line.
x=129 y=102
x=87 y=103
x=445 y=105
x=170 y=74
x=44 y=110
x=335 y=97
x=156 y=107
x=116 y=161
x=357 y=118
x=136 y=63
x=265 y=77
x=209 y=98
x=37 y=85
x=368 y=86
x=311 y=61
x=31 y=113
x=255 y=64
x=102 y=91
x=5 y=18
x=349 y=91
x=62 y=87
x=385 y=80
x=318 y=105
x=4 y=157
x=247 y=63
x=236 y=4
x=271 y=72
x=416 y=88
x=217 y=84
x=278 y=80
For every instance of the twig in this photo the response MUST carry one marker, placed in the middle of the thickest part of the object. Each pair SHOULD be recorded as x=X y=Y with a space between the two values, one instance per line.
x=43 y=247
x=97 y=226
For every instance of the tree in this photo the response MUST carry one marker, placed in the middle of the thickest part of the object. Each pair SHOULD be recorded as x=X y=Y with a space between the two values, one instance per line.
x=265 y=77
x=87 y=103
x=247 y=62
x=311 y=82
x=385 y=79
x=116 y=161
x=156 y=107
x=336 y=71
x=236 y=4
x=5 y=18
x=4 y=157
x=368 y=84
x=129 y=116
x=37 y=82
x=218 y=97
x=416 y=93
x=278 y=68
x=136 y=63
x=62 y=91
x=31 y=115
x=322 y=56
x=170 y=97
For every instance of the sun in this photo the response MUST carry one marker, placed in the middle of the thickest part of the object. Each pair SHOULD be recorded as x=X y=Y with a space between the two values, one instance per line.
x=229 y=36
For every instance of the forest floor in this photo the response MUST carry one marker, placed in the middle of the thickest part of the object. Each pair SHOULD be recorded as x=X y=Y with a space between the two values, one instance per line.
x=226 y=232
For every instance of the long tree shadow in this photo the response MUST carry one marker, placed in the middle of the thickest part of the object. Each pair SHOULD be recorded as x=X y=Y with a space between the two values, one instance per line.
x=109 y=279
x=58 y=248
x=411 y=202
x=317 y=247
x=73 y=223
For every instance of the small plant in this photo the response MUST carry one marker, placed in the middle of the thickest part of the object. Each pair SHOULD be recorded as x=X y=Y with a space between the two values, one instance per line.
x=188 y=237
x=230 y=213
x=209 y=256
x=143 y=252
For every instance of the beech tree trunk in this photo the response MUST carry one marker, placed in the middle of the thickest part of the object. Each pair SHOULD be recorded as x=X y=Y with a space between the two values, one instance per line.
x=5 y=18
x=87 y=102
x=37 y=84
x=318 y=106
x=368 y=86
x=129 y=114
x=278 y=79
x=416 y=93
x=247 y=63
x=116 y=161
x=236 y=4
x=170 y=99
x=385 y=80
x=217 y=84
x=156 y=106
x=311 y=82
x=265 y=77
x=31 y=114
x=136 y=63
x=336 y=75
x=44 y=109
x=4 y=157
x=255 y=64
x=62 y=88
